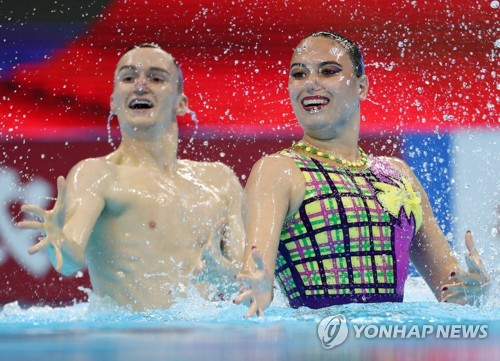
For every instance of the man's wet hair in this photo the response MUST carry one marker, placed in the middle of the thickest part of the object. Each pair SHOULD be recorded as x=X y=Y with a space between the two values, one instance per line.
x=180 y=84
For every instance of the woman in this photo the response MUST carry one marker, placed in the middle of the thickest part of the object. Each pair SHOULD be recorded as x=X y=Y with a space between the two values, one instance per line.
x=333 y=225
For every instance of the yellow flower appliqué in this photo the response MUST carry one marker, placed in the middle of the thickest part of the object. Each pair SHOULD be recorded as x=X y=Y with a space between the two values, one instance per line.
x=393 y=197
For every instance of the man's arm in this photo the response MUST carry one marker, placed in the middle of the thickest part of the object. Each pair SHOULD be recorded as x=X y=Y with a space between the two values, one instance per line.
x=233 y=237
x=221 y=257
x=67 y=227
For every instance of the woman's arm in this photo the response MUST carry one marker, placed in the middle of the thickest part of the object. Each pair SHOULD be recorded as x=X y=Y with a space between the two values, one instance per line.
x=274 y=190
x=433 y=257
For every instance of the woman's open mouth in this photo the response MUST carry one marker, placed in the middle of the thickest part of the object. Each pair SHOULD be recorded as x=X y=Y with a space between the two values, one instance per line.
x=314 y=103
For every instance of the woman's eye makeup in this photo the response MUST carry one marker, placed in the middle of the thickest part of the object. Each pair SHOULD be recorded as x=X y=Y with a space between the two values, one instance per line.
x=298 y=74
x=299 y=71
x=329 y=70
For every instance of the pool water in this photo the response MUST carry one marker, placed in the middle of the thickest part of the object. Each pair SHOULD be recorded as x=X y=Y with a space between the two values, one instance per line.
x=195 y=329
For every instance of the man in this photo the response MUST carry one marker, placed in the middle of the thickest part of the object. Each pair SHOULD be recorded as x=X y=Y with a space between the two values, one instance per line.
x=144 y=222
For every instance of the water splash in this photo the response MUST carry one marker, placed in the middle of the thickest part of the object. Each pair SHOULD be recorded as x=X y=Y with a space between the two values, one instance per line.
x=193 y=117
x=108 y=127
x=419 y=307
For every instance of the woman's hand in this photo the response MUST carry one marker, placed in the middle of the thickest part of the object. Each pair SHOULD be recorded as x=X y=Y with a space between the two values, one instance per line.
x=51 y=224
x=470 y=286
x=257 y=287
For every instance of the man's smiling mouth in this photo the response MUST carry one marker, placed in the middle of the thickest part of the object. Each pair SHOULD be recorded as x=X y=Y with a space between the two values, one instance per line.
x=140 y=104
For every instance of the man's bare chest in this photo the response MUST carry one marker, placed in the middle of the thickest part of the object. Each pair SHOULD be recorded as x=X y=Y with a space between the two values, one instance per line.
x=151 y=196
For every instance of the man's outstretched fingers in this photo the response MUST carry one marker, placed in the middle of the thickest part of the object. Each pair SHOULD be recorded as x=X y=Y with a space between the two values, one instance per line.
x=35 y=210
x=39 y=246
x=59 y=258
x=61 y=191
x=30 y=225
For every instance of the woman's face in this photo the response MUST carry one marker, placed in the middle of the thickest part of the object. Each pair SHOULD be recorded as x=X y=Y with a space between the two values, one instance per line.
x=323 y=87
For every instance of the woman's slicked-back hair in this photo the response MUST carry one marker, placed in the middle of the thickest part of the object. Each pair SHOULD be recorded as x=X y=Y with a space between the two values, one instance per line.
x=352 y=49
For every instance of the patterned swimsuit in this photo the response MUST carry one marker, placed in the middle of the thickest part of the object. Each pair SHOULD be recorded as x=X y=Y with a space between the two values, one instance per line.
x=349 y=241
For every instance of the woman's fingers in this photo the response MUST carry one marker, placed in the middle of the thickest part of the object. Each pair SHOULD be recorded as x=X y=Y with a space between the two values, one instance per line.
x=454 y=297
x=466 y=279
x=242 y=297
x=252 y=310
x=461 y=287
x=255 y=289
x=473 y=264
x=473 y=259
x=469 y=243
x=246 y=280
x=468 y=286
x=258 y=259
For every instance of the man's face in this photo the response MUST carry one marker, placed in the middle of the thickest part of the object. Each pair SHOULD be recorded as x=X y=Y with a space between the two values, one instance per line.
x=145 y=91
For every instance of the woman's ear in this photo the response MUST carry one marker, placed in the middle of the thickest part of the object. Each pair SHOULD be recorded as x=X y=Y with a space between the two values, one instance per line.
x=364 y=85
x=182 y=105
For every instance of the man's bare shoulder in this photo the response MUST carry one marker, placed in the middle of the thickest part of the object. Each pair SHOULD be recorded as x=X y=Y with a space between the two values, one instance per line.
x=205 y=166
x=91 y=168
x=216 y=173
x=93 y=163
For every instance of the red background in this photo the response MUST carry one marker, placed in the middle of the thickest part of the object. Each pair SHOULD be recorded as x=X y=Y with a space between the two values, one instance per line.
x=431 y=65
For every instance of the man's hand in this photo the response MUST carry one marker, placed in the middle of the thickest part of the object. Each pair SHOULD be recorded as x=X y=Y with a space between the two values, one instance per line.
x=51 y=224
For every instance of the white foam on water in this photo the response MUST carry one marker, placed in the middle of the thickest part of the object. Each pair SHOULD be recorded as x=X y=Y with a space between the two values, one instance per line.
x=419 y=307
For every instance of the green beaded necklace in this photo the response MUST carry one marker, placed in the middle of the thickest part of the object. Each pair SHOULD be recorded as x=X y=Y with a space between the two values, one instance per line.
x=312 y=150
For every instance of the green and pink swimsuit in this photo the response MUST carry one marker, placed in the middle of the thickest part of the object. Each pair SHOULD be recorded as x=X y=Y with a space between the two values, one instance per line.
x=349 y=241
